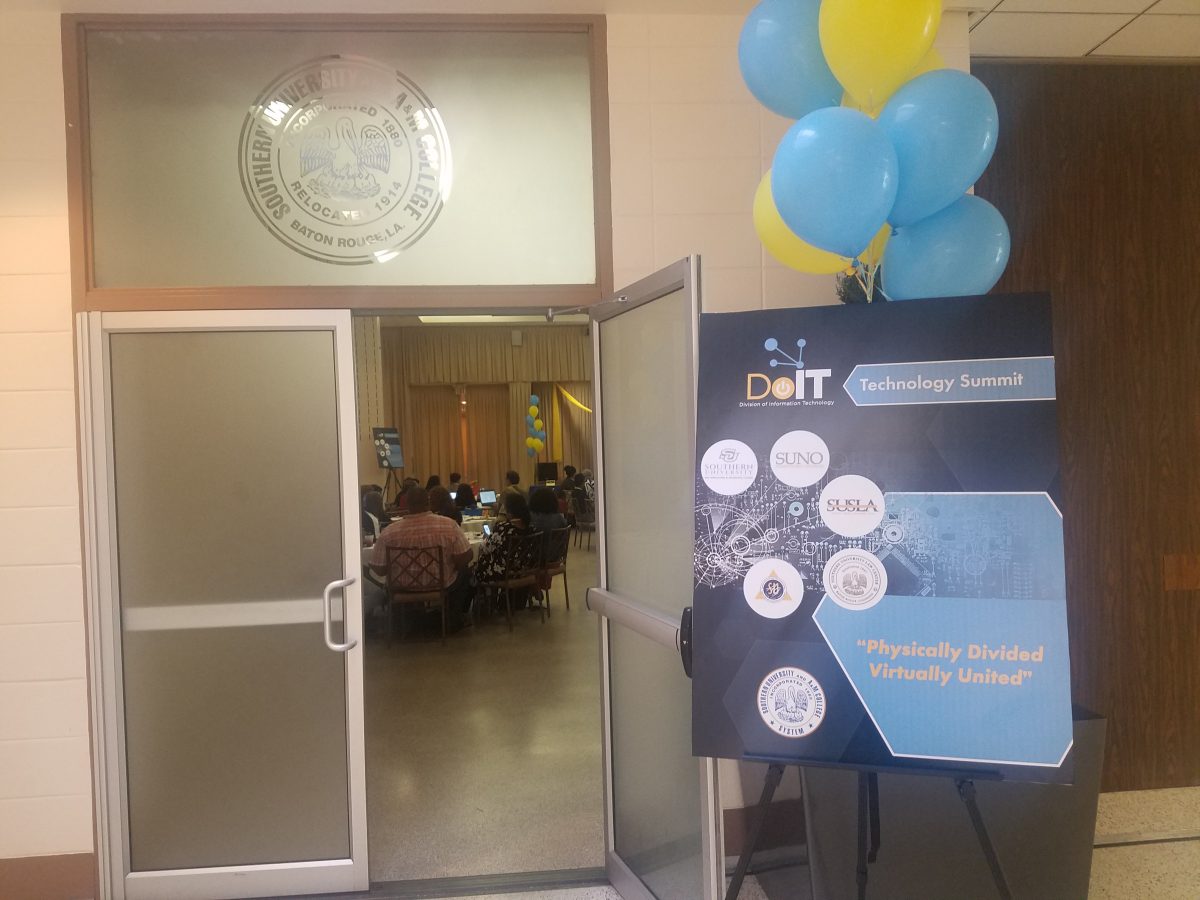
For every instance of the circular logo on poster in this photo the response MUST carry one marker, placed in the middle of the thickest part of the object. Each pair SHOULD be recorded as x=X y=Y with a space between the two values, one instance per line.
x=800 y=458
x=855 y=579
x=773 y=588
x=791 y=702
x=729 y=467
x=345 y=160
x=851 y=505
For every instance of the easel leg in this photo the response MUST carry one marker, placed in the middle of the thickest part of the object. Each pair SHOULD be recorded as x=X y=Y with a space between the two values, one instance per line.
x=873 y=809
x=774 y=776
x=966 y=791
x=864 y=817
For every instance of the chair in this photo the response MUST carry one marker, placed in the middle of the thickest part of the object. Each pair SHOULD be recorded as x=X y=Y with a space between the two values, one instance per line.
x=523 y=554
x=554 y=562
x=585 y=516
x=414 y=576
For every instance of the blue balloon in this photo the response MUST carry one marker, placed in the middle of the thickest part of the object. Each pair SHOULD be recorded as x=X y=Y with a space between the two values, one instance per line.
x=958 y=252
x=834 y=179
x=533 y=400
x=943 y=125
x=529 y=420
x=529 y=451
x=781 y=58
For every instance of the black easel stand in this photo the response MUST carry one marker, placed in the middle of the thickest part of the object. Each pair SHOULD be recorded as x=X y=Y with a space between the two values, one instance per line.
x=868 y=831
x=392 y=481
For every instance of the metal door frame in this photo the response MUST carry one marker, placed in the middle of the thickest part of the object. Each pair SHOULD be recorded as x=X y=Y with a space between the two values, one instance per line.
x=103 y=627
x=627 y=612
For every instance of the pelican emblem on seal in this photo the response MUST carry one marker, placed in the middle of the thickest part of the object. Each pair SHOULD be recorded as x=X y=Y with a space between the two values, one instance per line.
x=342 y=161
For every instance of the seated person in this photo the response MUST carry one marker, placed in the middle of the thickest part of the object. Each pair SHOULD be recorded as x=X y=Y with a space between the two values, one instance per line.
x=455 y=481
x=490 y=565
x=513 y=486
x=544 y=514
x=568 y=483
x=464 y=499
x=421 y=528
x=441 y=504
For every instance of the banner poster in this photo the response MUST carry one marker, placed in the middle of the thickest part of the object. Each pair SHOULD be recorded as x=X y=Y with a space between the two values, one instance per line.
x=879 y=577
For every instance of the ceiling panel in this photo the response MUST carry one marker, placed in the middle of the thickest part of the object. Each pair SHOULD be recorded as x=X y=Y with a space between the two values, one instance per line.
x=1043 y=34
x=1172 y=36
x=1076 y=6
x=1176 y=7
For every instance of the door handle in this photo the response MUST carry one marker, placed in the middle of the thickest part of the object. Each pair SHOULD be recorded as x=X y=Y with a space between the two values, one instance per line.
x=327 y=596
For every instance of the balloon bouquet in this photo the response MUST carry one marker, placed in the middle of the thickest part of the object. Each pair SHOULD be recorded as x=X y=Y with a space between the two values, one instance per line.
x=535 y=428
x=871 y=178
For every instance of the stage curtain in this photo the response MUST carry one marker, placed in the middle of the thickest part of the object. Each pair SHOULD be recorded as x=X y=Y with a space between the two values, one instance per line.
x=433 y=445
x=578 y=431
x=518 y=408
x=465 y=354
x=489 y=454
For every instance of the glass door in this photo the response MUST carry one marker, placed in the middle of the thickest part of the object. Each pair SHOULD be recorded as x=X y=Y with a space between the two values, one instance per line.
x=224 y=554
x=662 y=829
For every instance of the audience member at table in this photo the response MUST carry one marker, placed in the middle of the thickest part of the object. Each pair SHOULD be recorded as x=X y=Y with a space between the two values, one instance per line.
x=441 y=504
x=568 y=482
x=401 y=503
x=421 y=529
x=464 y=498
x=455 y=481
x=586 y=482
x=490 y=565
x=434 y=481
x=513 y=486
x=544 y=514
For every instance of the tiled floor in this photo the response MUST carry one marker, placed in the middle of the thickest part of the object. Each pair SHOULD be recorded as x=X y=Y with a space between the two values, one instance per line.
x=483 y=755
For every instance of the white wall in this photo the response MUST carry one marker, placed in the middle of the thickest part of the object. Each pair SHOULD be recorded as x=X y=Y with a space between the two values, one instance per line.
x=45 y=782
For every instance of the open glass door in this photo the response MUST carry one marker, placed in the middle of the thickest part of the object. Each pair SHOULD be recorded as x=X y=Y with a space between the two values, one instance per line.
x=223 y=555
x=662 y=831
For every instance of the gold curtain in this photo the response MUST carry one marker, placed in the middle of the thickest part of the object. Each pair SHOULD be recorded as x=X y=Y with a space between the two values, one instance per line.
x=578 y=431
x=489 y=455
x=518 y=408
x=484 y=354
x=434 y=441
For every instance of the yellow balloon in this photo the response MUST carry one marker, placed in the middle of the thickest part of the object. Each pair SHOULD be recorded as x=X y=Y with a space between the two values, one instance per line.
x=533 y=411
x=538 y=424
x=529 y=442
x=932 y=61
x=539 y=445
x=782 y=244
x=873 y=255
x=873 y=46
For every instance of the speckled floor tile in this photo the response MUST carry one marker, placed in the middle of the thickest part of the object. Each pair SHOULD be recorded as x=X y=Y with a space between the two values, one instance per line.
x=1134 y=812
x=592 y=893
x=484 y=754
x=1146 y=872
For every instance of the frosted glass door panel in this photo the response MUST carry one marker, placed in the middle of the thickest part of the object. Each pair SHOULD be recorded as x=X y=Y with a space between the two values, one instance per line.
x=190 y=187
x=646 y=383
x=228 y=526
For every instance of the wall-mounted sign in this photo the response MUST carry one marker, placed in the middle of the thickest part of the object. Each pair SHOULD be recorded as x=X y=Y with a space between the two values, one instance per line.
x=345 y=160
x=879 y=575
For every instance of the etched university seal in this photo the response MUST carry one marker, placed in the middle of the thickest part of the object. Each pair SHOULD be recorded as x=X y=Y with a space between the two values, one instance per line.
x=791 y=702
x=855 y=579
x=345 y=160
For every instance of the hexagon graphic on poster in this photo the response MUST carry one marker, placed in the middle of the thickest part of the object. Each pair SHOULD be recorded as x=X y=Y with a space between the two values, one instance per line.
x=965 y=657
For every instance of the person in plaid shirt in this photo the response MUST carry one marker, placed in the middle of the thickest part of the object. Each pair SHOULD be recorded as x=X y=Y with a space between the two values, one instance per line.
x=422 y=528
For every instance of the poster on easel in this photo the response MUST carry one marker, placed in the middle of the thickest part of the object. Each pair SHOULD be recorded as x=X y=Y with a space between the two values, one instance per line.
x=879 y=570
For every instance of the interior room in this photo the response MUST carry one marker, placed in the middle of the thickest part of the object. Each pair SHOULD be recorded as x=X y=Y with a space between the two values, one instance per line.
x=482 y=755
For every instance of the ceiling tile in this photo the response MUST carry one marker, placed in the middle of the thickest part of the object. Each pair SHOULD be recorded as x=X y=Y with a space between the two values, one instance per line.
x=1176 y=7
x=1176 y=36
x=1075 y=6
x=1042 y=34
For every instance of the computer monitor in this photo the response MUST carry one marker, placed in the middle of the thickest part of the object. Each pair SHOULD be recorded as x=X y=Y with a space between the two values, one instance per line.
x=547 y=471
x=454 y=495
x=487 y=498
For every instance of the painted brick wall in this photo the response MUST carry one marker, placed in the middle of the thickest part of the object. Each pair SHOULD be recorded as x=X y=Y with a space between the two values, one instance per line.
x=45 y=782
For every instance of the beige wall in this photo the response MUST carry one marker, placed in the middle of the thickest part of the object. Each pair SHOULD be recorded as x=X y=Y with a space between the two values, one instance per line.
x=689 y=144
x=45 y=788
